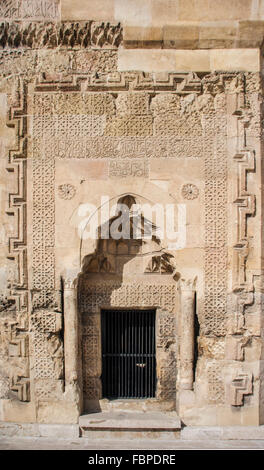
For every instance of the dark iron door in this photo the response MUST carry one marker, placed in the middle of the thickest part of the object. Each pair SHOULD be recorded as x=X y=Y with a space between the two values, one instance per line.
x=128 y=353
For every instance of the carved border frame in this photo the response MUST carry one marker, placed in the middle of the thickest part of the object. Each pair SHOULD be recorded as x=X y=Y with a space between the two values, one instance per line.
x=182 y=83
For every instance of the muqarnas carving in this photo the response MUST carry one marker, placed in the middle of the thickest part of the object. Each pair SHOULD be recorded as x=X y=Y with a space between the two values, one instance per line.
x=38 y=35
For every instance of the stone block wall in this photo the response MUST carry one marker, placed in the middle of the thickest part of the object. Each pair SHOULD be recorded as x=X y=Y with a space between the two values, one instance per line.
x=91 y=107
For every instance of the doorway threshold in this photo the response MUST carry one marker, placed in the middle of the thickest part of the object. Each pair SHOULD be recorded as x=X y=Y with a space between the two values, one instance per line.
x=136 y=404
x=127 y=425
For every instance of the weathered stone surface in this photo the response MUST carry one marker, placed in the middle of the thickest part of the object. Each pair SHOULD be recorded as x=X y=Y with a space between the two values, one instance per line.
x=199 y=60
x=223 y=433
x=163 y=11
x=36 y=35
x=90 y=124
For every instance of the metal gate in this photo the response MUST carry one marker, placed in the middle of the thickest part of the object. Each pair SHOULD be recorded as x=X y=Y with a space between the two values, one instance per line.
x=128 y=353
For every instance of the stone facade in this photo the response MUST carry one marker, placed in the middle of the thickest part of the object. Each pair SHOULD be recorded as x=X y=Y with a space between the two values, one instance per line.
x=155 y=110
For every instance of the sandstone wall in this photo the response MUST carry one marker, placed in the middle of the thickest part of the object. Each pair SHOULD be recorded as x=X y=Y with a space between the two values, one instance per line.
x=166 y=106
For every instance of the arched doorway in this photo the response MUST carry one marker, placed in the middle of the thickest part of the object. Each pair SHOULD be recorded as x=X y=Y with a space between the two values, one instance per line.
x=128 y=300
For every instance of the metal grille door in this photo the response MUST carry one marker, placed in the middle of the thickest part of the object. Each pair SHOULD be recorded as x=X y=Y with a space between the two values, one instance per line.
x=128 y=353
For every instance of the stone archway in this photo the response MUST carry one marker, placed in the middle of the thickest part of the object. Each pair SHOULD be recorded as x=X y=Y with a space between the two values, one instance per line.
x=121 y=274
x=129 y=273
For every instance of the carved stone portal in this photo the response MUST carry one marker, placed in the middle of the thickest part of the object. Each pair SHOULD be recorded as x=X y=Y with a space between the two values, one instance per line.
x=80 y=128
x=106 y=282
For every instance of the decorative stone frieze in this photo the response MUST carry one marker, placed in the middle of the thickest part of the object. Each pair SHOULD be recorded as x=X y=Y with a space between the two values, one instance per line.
x=36 y=35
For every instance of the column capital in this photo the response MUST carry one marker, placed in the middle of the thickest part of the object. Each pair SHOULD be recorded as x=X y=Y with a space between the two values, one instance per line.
x=188 y=285
x=70 y=283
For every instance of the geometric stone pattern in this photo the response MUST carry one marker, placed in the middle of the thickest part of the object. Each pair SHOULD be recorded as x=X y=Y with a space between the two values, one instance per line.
x=133 y=125
x=215 y=155
x=28 y=9
x=14 y=361
x=66 y=191
x=43 y=231
x=111 y=294
x=130 y=126
x=47 y=354
x=12 y=61
x=190 y=191
x=71 y=126
x=241 y=385
x=216 y=390
x=90 y=356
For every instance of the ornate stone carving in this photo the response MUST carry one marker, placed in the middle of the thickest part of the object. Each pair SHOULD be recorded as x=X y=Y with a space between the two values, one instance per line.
x=241 y=385
x=6 y=304
x=66 y=191
x=70 y=283
x=124 y=147
x=71 y=126
x=21 y=385
x=87 y=61
x=17 y=201
x=211 y=347
x=216 y=389
x=190 y=191
x=48 y=389
x=93 y=295
x=123 y=169
x=209 y=140
x=18 y=351
x=166 y=328
x=98 y=263
x=17 y=299
x=215 y=163
x=167 y=382
x=47 y=354
x=65 y=34
x=91 y=352
x=46 y=322
x=132 y=125
x=43 y=263
x=161 y=264
x=110 y=293
x=245 y=203
x=119 y=81
x=9 y=9
x=29 y=9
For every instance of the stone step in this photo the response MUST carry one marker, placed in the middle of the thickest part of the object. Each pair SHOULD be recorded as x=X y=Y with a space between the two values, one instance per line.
x=130 y=425
x=134 y=405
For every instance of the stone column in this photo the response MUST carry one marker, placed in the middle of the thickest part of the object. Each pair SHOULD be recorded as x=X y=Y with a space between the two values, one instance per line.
x=71 y=342
x=187 y=334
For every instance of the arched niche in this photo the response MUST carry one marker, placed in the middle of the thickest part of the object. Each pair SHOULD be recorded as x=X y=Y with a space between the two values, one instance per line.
x=133 y=273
